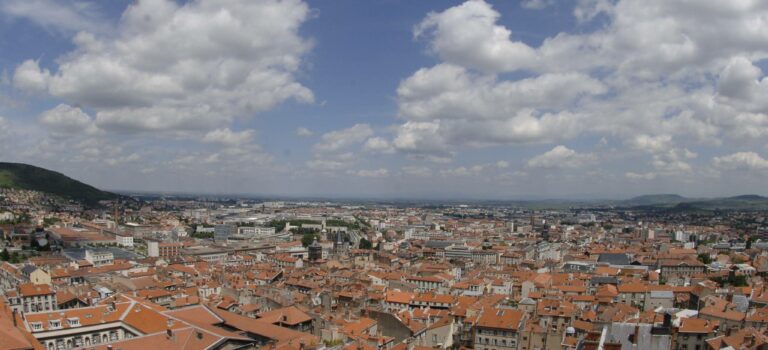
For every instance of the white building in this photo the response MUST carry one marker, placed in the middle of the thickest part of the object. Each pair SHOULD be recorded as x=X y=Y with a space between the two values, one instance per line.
x=153 y=249
x=255 y=231
x=99 y=258
x=124 y=240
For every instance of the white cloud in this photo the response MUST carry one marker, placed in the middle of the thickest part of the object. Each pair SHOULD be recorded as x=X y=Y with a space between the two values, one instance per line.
x=644 y=76
x=28 y=76
x=378 y=145
x=536 y=4
x=561 y=157
x=468 y=35
x=340 y=139
x=183 y=67
x=377 y=173
x=640 y=176
x=229 y=138
x=304 y=132
x=502 y=164
x=652 y=144
x=67 y=119
x=417 y=171
x=463 y=171
x=57 y=15
x=133 y=157
x=741 y=160
x=332 y=162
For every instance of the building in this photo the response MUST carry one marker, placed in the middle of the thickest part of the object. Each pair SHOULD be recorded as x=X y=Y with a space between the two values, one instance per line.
x=694 y=332
x=33 y=298
x=209 y=255
x=255 y=231
x=124 y=240
x=99 y=258
x=498 y=329
x=153 y=249
x=39 y=276
x=315 y=251
x=222 y=232
x=673 y=268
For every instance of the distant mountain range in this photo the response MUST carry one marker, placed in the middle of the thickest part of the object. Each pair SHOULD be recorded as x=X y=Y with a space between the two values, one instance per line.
x=677 y=202
x=29 y=177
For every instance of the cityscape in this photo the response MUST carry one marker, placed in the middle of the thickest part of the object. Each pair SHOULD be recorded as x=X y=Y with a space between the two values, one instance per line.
x=383 y=175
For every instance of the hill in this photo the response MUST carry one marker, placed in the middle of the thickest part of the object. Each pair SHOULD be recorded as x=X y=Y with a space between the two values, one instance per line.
x=745 y=202
x=29 y=177
x=654 y=199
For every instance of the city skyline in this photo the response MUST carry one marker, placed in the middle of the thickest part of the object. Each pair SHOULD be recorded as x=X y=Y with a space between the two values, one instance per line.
x=478 y=99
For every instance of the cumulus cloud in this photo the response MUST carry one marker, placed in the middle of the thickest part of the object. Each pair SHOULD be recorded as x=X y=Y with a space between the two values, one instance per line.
x=536 y=4
x=192 y=66
x=416 y=170
x=376 y=173
x=465 y=170
x=742 y=161
x=560 y=157
x=229 y=138
x=378 y=145
x=57 y=15
x=641 y=78
x=468 y=35
x=337 y=140
x=28 y=76
x=640 y=176
x=304 y=132
x=67 y=119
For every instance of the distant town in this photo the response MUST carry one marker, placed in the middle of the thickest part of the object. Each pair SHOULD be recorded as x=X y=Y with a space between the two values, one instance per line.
x=232 y=273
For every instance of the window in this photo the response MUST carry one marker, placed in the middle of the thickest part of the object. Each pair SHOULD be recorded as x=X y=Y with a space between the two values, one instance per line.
x=36 y=326
x=434 y=338
x=55 y=324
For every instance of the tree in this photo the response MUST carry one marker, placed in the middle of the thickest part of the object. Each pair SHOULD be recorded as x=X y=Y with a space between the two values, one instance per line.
x=307 y=239
x=4 y=255
x=365 y=244
x=705 y=258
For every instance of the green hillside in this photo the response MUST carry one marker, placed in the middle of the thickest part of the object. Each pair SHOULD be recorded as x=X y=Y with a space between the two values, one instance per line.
x=28 y=177
x=655 y=199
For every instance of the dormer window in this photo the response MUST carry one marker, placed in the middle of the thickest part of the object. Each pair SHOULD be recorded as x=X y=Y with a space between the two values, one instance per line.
x=36 y=326
x=73 y=322
x=54 y=324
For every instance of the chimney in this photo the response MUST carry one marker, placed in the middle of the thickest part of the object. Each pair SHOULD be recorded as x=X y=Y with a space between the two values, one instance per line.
x=169 y=333
x=109 y=347
x=14 y=318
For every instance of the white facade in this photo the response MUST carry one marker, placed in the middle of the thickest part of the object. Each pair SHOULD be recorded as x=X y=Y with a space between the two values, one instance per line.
x=153 y=249
x=124 y=240
x=99 y=258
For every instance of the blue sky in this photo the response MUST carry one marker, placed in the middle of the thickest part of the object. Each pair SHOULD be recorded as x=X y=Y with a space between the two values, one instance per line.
x=478 y=99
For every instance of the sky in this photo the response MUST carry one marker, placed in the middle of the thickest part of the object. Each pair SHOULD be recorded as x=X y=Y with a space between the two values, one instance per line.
x=572 y=99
